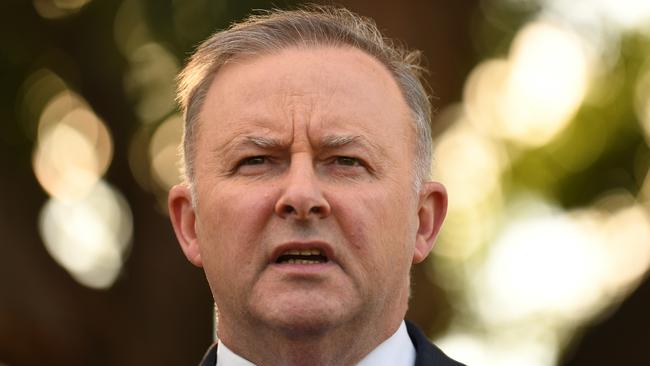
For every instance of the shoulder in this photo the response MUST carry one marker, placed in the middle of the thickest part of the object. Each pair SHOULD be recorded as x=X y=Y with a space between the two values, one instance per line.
x=427 y=354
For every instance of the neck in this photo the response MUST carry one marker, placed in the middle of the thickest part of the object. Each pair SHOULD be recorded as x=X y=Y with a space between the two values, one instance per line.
x=344 y=345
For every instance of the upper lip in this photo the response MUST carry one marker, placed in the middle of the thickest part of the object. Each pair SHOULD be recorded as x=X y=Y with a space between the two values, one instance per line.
x=324 y=247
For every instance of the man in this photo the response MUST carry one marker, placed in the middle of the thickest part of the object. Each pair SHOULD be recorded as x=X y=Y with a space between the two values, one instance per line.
x=307 y=199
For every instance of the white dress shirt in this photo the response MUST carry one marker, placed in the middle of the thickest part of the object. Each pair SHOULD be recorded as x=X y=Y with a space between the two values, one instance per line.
x=397 y=350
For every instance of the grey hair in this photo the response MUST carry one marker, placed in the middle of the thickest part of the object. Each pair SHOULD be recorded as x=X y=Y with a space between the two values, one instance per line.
x=309 y=26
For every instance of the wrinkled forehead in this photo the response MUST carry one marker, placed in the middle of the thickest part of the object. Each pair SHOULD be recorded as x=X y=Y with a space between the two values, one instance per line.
x=341 y=86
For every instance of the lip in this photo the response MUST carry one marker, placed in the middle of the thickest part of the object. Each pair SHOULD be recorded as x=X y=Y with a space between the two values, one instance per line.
x=303 y=245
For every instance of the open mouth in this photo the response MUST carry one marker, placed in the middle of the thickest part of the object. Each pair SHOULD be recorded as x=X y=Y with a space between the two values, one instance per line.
x=306 y=256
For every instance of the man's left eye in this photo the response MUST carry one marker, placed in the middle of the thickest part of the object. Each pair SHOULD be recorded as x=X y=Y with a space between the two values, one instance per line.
x=347 y=161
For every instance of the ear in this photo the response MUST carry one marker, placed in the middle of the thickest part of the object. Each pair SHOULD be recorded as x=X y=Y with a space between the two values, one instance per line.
x=432 y=209
x=183 y=217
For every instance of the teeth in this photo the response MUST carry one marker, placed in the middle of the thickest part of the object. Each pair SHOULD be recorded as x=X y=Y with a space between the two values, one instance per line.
x=302 y=252
x=301 y=261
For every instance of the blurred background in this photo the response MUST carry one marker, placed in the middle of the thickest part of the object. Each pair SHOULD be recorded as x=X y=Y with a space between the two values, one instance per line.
x=541 y=136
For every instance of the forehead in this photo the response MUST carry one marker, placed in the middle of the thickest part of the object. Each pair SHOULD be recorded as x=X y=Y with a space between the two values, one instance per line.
x=341 y=88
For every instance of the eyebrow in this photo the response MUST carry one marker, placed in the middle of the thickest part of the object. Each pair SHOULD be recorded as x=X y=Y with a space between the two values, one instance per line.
x=328 y=142
x=262 y=142
x=337 y=141
x=241 y=142
x=334 y=141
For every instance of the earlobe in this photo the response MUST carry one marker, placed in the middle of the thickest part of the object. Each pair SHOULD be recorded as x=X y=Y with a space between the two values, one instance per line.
x=183 y=217
x=431 y=213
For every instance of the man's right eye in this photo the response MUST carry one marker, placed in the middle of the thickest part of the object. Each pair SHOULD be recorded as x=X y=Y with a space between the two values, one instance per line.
x=253 y=160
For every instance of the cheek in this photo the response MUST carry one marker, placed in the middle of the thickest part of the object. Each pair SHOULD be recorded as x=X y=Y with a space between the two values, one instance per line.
x=379 y=227
x=232 y=222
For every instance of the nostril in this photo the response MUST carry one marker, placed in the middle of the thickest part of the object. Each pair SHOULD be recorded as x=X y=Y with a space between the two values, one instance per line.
x=302 y=210
x=288 y=209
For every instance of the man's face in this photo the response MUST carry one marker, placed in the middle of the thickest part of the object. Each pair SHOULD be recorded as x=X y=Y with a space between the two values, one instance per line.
x=306 y=218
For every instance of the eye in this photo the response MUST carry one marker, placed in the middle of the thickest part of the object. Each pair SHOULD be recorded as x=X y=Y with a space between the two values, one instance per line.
x=254 y=160
x=347 y=161
x=253 y=165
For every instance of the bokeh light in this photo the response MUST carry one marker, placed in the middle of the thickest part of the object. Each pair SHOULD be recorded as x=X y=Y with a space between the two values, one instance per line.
x=130 y=28
x=529 y=271
x=151 y=81
x=89 y=237
x=163 y=152
x=482 y=161
x=483 y=94
x=531 y=97
x=543 y=261
x=531 y=347
x=55 y=9
x=86 y=225
x=618 y=14
x=626 y=236
x=37 y=92
x=547 y=82
x=150 y=84
x=475 y=190
x=547 y=272
x=73 y=150
x=642 y=102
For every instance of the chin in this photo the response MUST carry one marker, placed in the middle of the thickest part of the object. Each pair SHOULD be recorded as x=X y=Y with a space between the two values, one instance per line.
x=304 y=316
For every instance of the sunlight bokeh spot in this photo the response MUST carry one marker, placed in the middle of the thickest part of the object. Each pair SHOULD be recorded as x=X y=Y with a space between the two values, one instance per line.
x=483 y=94
x=163 y=152
x=642 y=102
x=130 y=28
x=620 y=15
x=37 y=93
x=481 y=161
x=73 y=150
x=547 y=83
x=530 y=97
x=65 y=163
x=55 y=9
x=56 y=109
x=151 y=81
x=514 y=348
x=627 y=238
x=543 y=262
x=90 y=236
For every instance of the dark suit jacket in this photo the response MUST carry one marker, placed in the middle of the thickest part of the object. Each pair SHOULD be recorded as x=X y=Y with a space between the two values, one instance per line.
x=426 y=353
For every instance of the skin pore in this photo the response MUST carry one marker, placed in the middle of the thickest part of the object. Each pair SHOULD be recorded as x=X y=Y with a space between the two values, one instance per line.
x=306 y=150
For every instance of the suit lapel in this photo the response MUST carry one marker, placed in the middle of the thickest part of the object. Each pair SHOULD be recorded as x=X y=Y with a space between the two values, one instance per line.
x=210 y=357
x=427 y=354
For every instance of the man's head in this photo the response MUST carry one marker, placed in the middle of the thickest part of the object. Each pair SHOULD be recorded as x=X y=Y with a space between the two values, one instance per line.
x=303 y=165
x=311 y=27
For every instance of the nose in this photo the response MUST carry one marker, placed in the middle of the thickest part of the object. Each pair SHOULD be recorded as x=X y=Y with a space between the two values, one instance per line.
x=302 y=197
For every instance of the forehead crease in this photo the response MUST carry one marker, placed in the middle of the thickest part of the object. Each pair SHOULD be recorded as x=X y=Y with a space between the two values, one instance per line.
x=242 y=141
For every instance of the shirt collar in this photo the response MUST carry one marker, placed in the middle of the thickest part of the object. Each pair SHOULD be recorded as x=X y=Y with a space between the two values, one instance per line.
x=396 y=350
x=226 y=357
